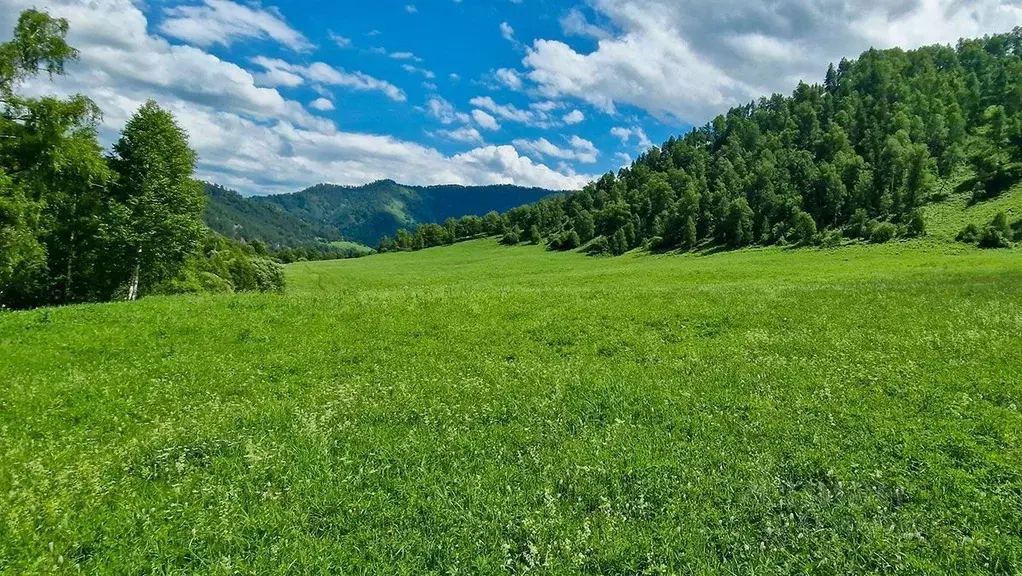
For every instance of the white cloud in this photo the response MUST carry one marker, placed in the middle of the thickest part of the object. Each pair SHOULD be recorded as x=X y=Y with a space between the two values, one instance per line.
x=322 y=104
x=411 y=9
x=283 y=73
x=574 y=23
x=535 y=118
x=485 y=120
x=250 y=137
x=580 y=149
x=405 y=56
x=507 y=31
x=341 y=41
x=509 y=78
x=223 y=21
x=692 y=60
x=573 y=117
x=465 y=134
x=416 y=70
x=445 y=112
x=626 y=134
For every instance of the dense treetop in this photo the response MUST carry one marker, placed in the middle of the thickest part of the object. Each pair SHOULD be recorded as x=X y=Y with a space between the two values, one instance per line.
x=861 y=152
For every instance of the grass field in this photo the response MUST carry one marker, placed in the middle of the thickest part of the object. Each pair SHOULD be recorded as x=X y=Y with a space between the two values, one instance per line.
x=479 y=409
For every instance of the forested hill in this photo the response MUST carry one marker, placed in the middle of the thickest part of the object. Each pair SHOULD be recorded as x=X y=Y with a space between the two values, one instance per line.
x=857 y=155
x=240 y=218
x=363 y=214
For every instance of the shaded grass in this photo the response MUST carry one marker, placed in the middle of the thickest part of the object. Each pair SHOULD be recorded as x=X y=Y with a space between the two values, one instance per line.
x=480 y=409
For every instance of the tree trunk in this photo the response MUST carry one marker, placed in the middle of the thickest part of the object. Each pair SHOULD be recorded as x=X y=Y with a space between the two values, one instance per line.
x=133 y=287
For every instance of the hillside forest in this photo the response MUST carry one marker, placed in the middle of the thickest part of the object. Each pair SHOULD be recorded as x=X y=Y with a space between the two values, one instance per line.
x=856 y=156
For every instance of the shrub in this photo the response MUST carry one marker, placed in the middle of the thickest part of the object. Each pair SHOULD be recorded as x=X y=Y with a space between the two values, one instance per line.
x=883 y=232
x=832 y=239
x=570 y=240
x=916 y=226
x=1016 y=230
x=598 y=246
x=993 y=237
x=970 y=234
x=269 y=276
x=511 y=237
x=858 y=225
x=534 y=237
x=804 y=229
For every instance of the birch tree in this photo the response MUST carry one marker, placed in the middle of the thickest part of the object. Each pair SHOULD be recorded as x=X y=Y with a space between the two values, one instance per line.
x=160 y=222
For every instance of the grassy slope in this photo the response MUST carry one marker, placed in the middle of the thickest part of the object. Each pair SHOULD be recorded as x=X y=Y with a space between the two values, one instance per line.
x=947 y=219
x=480 y=409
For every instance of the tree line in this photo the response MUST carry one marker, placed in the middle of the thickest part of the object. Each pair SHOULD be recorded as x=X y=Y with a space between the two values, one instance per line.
x=81 y=225
x=856 y=156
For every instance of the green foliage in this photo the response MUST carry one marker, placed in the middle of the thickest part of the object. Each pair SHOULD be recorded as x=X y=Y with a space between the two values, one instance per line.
x=916 y=226
x=479 y=409
x=162 y=221
x=858 y=225
x=883 y=232
x=599 y=246
x=38 y=46
x=512 y=237
x=367 y=213
x=248 y=219
x=738 y=224
x=76 y=226
x=993 y=237
x=997 y=234
x=222 y=265
x=866 y=146
x=970 y=234
x=533 y=236
x=804 y=230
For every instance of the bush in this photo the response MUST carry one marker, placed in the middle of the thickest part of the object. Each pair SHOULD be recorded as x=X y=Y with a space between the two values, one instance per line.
x=916 y=226
x=883 y=232
x=970 y=234
x=534 y=236
x=1016 y=231
x=598 y=246
x=993 y=237
x=511 y=237
x=858 y=225
x=570 y=240
x=832 y=239
x=804 y=229
x=269 y=275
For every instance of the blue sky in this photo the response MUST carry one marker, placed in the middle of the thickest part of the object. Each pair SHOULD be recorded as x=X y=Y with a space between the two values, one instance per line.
x=280 y=95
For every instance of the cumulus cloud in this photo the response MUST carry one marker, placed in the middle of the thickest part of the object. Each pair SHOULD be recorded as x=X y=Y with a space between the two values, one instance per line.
x=579 y=149
x=249 y=136
x=509 y=78
x=322 y=104
x=694 y=59
x=534 y=117
x=445 y=112
x=574 y=117
x=466 y=134
x=626 y=135
x=281 y=73
x=485 y=120
x=223 y=21
x=507 y=31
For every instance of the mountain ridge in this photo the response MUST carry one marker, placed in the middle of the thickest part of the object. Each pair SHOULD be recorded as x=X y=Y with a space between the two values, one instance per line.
x=325 y=213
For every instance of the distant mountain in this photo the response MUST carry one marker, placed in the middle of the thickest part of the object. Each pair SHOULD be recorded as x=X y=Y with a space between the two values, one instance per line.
x=241 y=218
x=363 y=214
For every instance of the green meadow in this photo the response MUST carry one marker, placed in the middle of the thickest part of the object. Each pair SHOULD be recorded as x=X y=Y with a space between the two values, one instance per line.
x=478 y=409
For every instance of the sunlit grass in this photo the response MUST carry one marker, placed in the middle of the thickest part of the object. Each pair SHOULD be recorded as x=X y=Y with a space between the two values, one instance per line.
x=480 y=409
